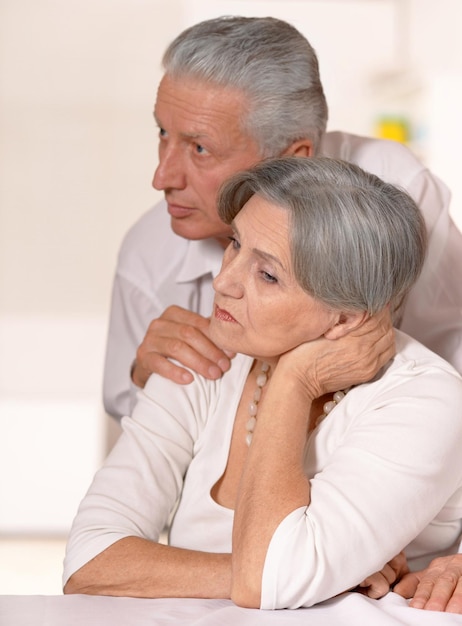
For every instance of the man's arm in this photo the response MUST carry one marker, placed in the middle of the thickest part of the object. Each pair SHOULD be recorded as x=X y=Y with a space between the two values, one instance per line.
x=432 y=312
x=175 y=333
x=148 y=279
x=131 y=311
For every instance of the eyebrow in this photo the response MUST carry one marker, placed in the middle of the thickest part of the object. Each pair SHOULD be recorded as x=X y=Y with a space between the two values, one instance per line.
x=184 y=135
x=261 y=253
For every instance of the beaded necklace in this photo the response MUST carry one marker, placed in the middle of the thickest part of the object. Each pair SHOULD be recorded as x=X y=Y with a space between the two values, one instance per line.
x=262 y=379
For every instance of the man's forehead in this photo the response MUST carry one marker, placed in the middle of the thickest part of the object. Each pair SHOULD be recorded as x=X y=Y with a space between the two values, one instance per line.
x=198 y=109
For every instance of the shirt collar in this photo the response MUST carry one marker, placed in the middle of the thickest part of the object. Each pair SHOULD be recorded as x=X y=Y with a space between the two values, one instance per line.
x=202 y=257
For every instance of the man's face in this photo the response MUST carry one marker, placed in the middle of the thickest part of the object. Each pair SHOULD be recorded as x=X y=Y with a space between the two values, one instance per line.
x=201 y=144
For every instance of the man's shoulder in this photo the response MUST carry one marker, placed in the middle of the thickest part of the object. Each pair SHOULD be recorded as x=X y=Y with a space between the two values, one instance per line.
x=390 y=160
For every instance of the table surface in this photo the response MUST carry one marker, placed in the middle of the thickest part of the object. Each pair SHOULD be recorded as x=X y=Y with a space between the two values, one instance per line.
x=349 y=609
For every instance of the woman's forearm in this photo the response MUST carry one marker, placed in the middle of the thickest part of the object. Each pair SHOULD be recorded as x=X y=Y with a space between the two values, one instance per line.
x=141 y=568
x=273 y=483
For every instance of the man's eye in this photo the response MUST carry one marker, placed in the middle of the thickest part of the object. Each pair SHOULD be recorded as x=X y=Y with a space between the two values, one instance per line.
x=200 y=149
x=162 y=132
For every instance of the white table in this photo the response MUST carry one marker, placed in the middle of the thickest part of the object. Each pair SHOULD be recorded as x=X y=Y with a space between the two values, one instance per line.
x=349 y=609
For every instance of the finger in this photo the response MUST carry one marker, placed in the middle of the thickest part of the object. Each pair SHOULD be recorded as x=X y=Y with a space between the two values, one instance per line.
x=194 y=357
x=376 y=326
x=455 y=603
x=389 y=574
x=386 y=349
x=163 y=334
x=184 y=343
x=162 y=366
x=435 y=595
x=407 y=586
x=399 y=565
x=375 y=586
x=197 y=351
x=178 y=315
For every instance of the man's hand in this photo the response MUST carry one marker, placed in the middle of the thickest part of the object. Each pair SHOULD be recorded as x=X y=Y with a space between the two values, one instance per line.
x=437 y=588
x=181 y=335
x=379 y=584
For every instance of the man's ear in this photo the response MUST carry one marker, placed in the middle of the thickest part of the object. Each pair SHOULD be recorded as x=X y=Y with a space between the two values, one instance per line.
x=300 y=148
x=346 y=323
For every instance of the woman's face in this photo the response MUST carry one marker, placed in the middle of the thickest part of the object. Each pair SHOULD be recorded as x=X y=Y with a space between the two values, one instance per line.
x=259 y=308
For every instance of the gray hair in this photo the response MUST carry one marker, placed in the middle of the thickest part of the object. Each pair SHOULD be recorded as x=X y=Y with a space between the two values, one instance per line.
x=357 y=242
x=267 y=59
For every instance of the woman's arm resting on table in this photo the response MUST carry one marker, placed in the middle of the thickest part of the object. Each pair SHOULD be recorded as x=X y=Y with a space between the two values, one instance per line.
x=140 y=568
x=273 y=482
x=437 y=588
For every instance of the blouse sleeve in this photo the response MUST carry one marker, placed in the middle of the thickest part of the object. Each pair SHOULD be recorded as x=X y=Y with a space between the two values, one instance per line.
x=135 y=491
x=390 y=460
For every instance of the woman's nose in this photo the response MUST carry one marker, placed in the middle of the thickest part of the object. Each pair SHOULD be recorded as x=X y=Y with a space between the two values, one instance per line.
x=229 y=281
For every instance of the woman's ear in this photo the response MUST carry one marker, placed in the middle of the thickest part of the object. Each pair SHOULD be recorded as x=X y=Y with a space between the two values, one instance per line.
x=346 y=323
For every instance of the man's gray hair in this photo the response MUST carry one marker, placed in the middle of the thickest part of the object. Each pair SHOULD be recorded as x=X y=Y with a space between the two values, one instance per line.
x=357 y=242
x=267 y=59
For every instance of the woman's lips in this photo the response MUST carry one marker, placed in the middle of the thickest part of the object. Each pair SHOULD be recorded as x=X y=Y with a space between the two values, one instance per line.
x=223 y=315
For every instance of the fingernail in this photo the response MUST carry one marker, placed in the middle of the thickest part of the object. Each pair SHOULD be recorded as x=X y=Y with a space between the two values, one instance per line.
x=417 y=604
x=214 y=372
x=224 y=365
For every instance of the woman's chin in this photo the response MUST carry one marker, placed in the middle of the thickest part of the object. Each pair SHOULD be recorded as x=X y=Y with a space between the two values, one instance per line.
x=219 y=338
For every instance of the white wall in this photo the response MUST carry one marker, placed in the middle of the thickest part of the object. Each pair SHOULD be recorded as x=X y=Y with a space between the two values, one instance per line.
x=77 y=151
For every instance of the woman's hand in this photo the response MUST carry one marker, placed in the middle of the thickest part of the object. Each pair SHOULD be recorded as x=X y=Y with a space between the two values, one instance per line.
x=326 y=365
x=377 y=585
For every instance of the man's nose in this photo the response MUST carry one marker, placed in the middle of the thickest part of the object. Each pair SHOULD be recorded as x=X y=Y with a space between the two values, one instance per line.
x=170 y=173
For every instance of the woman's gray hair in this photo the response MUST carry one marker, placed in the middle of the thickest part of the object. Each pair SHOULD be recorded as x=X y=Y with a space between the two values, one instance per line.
x=271 y=62
x=357 y=242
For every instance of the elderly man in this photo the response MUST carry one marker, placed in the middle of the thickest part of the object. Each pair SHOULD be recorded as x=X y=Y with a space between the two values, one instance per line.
x=237 y=90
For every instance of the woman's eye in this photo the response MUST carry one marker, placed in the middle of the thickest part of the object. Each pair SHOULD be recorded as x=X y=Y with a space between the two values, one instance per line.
x=234 y=243
x=269 y=278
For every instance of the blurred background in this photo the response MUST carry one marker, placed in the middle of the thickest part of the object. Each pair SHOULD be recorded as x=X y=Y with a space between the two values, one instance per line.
x=78 y=147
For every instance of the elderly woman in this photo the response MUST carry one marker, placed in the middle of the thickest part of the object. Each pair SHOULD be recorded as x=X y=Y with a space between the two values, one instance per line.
x=292 y=484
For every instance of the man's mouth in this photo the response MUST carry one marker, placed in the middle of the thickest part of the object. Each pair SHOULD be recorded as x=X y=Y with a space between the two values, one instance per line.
x=179 y=211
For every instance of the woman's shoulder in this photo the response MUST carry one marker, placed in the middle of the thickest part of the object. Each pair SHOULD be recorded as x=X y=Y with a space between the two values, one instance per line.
x=200 y=397
x=415 y=373
x=413 y=354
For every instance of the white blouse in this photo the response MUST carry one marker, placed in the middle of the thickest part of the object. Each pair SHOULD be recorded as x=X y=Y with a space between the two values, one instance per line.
x=385 y=467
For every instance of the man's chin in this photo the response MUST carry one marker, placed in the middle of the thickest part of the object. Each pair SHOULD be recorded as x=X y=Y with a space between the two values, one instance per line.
x=187 y=229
